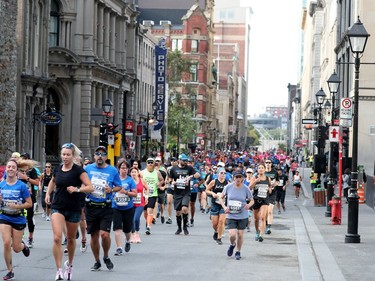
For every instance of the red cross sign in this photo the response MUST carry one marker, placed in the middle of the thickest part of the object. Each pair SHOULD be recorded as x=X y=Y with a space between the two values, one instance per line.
x=334 y=132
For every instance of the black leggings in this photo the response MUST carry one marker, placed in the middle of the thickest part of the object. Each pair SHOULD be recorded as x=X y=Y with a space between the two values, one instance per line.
x=30 y=219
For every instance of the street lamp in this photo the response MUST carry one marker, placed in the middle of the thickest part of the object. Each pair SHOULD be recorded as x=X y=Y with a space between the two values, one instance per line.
x=357 y=36
x=107 y=106
x=333 y=86
x=178 y=138
x=150 y=121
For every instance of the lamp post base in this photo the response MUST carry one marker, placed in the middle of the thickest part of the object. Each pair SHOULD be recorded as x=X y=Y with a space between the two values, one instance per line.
x=352 y=238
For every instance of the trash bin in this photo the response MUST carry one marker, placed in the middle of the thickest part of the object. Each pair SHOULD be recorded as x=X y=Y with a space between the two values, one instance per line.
x=319 y=197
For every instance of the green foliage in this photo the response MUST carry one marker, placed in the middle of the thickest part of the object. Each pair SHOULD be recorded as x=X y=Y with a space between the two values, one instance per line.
x=252 y=135
x=182 y=100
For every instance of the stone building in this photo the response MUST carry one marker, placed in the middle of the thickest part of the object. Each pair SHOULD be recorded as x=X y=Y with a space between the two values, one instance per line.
x=8 y=82
x=72 y=56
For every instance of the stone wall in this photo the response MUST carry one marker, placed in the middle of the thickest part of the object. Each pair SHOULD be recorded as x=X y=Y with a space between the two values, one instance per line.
x=8 y=78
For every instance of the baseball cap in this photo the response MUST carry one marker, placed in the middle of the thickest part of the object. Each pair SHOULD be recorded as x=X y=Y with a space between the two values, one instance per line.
x=150 y=159
x=221 y=164
x=158 y=159
x=16 y=155
x=238 y=173
x=25 y=155
x=173 y=159
x=249 y=170
x=101 y=147
x=183 y=157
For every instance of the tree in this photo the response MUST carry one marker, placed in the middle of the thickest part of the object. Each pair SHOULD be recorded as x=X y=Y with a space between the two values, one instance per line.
x=181 y=99
x=252 y=135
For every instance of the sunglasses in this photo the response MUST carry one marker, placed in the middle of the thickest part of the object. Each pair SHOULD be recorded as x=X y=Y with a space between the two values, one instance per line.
x=48 y=167
x=268 y=162
x=222 y=173
x=68 y=145
x=103 y=154
x=238 y=177
x=248 y=172
x=150 y=162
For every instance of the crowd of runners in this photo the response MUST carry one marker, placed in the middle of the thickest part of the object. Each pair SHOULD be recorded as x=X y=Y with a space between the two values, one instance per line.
x=238 y=190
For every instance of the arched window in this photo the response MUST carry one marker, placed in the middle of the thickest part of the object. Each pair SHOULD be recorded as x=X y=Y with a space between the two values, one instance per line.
x=54 y=24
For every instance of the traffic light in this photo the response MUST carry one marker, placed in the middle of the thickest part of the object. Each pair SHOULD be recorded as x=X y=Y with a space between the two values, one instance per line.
x=322 y=136
x=345 y=138
x=103 y=135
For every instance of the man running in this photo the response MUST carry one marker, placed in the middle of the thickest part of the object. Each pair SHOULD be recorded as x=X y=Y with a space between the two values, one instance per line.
x=105 y=180
x=181 y=176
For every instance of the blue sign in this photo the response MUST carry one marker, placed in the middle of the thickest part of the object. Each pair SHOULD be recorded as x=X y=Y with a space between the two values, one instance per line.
x=50 y=118
x=160 y=76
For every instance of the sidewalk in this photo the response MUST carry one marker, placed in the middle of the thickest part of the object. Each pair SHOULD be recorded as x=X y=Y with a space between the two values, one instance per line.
x=335 y=259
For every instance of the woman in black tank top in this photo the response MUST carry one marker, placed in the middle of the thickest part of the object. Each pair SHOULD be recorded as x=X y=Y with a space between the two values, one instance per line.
x=261 y=186
x=215 y=188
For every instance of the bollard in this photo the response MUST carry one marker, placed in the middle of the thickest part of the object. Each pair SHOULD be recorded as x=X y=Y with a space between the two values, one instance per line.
x=335 y=204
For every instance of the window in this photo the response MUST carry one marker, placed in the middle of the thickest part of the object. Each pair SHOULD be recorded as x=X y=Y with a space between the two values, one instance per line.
x=176 y=45
x=372 y=130
x=194 y=72
x=53 y=39
x=194 y=46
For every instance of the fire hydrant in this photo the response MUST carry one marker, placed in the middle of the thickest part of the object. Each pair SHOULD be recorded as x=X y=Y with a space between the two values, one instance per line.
x=335 y=204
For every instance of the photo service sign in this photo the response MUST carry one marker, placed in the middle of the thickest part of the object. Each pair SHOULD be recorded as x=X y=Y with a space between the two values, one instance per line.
x=161 y=70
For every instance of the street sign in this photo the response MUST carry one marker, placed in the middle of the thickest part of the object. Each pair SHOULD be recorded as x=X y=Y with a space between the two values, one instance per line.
x=346 y=123
x=346 y=108
x=309 y=121
x=132 y=145
x=334 y=133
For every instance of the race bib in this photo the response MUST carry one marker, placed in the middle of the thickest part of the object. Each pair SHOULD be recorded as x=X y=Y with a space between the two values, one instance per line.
x=99 y=187
x=7 y=210
x=122 y=199
x=281 y=182
x=181 y=183
x=234 y=206
x=45 y=188
x=262 y=190
x=138 y=199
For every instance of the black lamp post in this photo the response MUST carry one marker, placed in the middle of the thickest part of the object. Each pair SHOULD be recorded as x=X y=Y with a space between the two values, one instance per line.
x=150 y=121
x=320 y=96
x=333 y=85
x=107 y=106
x=357 y=36
x=178 y=138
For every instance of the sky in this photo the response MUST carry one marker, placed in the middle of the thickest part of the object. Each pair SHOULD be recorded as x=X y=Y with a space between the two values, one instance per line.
x=274 y=52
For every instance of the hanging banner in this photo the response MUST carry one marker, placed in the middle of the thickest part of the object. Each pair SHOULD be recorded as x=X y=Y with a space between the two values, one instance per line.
x=160 y=75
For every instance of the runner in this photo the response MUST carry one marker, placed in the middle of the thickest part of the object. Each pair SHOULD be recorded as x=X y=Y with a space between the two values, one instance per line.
x=274 y=177
x=99 y=213
x=139 y=202
x=14 y=198
x=281 y=189
x=154 y=180
x=123 y=208
x=297 y=179
x=239 y=199
x=68 y=180
x=181 y=176
x=214 y=189
x=261 y=186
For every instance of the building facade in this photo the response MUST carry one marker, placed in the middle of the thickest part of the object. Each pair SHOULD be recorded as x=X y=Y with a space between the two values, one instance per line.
x=72 y=56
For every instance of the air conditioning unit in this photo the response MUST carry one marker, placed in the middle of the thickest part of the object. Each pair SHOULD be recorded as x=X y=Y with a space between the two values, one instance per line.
x=148 y=23
x=164 y=22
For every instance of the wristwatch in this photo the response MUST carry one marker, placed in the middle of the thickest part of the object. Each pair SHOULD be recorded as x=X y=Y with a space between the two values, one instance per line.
x=28 y=179
x=78 y=189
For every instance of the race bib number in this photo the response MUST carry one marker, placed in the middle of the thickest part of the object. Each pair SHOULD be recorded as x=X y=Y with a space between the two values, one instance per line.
x=99 y=187
x=281 y=182
x=181 y=183
x=122 y=199
x=138 y=199
x=234 y=206
x=7 y=210
x=262 y=190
